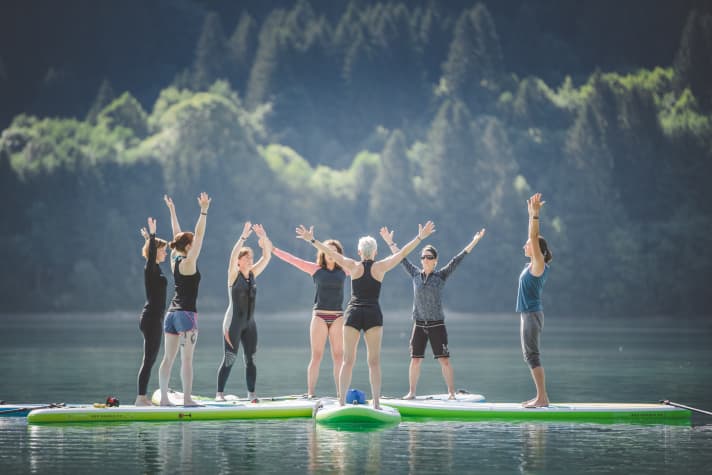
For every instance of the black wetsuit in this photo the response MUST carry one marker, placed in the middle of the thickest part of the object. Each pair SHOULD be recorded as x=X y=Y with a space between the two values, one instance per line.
x=243 y=329
x=364 y=311
x=151 y=322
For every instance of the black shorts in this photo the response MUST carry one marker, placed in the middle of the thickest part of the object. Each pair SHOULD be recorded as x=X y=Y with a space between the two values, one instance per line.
x=363 y=318
x=434 y=331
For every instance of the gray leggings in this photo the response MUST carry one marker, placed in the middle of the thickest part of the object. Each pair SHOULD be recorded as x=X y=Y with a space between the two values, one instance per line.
x=530 y=332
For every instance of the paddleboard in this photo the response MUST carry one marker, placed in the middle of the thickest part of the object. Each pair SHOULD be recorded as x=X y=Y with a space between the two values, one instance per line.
x=357 y=414
x=462 y=397
x=232 y=410
x=581 y=412
x=176 y=398
x=21 y=410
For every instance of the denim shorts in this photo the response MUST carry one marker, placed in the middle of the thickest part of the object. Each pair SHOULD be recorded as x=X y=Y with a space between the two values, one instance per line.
x=180 y=321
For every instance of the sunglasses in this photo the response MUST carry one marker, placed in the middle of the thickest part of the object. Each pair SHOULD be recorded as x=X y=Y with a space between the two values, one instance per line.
x=428 y=257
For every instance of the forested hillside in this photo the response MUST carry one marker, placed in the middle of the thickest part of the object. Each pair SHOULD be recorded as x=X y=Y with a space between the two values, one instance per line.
x=371 y=114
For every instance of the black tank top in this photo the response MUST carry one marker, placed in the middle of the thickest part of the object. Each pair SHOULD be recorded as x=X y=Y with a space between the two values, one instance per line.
x=365 y=290
x=155 y=283
x=186 y=288
x=244 y=292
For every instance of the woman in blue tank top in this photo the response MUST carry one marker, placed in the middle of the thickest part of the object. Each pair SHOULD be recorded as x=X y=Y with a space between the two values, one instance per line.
x=363 y=311
x=181 y=323
x=529 y=305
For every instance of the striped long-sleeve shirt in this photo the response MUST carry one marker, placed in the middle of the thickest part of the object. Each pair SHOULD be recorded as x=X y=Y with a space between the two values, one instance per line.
x=427 y=302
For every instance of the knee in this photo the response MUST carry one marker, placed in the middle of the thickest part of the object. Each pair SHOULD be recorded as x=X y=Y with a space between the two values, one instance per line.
x=250 y=360
x=532 y=359
x=444 y=362
x=338 y=356
x=316 y=356
x=374 y=361
x=416 y=362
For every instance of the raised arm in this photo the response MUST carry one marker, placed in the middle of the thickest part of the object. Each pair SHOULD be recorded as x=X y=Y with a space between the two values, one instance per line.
x=266 y=246
x=194 y=252
x=175 y=226
x=232 y=263
x=534 y=205
x=387 y=236
x=348 y=264
x=384 y=265
x=304 y=266
x=448 y=268
x=152 y=249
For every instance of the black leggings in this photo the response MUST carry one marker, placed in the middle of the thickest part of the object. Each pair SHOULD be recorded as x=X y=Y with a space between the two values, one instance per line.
x=244 y=331
x=152 y=328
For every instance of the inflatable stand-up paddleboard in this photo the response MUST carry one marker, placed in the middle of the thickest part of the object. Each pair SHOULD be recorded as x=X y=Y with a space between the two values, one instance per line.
x=176 y=398
x=21 y=410
x=229 y=410
x=640 y=413
x=355 y=414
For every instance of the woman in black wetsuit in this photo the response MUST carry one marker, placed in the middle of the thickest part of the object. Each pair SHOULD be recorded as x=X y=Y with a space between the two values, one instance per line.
x=151 y=323
x=239 y=323
x=181 y=323
x=363 y=311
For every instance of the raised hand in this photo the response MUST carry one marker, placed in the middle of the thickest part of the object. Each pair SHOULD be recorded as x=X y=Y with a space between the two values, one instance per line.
x=534 y=204
x=478 y=235
x=387 y=235
x=151 y=225
x=144 y=233
x=304 y=233
x=204 y=201
x=426 y=230
x=169 y=202
x=259 y=230
x=246 y=230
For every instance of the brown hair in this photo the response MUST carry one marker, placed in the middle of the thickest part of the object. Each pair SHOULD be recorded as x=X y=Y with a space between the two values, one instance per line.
x=160 y=243
x=321 y=255
x=548 y=256
x=181 y=240
x=432 y=250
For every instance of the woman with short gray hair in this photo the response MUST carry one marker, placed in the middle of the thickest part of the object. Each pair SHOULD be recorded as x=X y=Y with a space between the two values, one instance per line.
x=363 y=311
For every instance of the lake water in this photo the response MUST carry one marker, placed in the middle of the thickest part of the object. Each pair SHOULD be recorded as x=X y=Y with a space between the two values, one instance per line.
x=83 y=358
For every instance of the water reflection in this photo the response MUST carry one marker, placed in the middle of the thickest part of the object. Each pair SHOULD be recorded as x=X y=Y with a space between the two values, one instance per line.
x=430 y=447
x=338 y=451
x=533 y=456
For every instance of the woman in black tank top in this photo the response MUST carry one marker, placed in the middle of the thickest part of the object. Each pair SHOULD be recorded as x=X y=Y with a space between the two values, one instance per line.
x=181 y=322
x=363 y=311
x=151 y=323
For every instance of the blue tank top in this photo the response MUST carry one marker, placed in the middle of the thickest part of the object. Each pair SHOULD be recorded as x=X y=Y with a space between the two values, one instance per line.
x=530 y=291
x=186 y=287
x=365 y=290
x=329 y=289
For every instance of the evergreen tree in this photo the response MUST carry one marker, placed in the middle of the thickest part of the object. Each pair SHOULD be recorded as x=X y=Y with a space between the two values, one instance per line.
x=474 y=65
x=104 y=97
x=693 y=61
x=125 y=112
x=241 y=49
x=210 y=54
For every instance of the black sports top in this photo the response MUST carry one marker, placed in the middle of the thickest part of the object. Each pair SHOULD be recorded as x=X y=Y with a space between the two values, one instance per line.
x=186 y=288
x=365 y=290
x=243 y=294
x=154 y=281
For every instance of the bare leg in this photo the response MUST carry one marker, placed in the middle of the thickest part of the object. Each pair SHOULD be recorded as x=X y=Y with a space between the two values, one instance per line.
x=541 y=399
x=336 y=341
x=351 y=338
x=187 y=351
x=170 y=350
x=318 y=332
x=449 y=376
x=413 y=376
x=373 y=338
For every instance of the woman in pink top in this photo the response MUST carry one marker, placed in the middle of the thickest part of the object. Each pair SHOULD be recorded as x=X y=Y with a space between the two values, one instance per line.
x=327 y=315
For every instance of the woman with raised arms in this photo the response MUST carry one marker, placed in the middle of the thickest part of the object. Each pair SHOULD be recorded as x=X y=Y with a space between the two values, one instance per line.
x=151 y=322
x=327 y=316
x=363 y=311
x=181 y=323
x=239 y=322
x=529 y=303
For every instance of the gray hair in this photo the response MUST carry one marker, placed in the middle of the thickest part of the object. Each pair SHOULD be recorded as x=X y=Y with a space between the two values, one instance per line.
x=368 y=246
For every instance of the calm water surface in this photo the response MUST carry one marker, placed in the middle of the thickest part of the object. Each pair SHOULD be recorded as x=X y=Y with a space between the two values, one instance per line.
x=86 y=357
